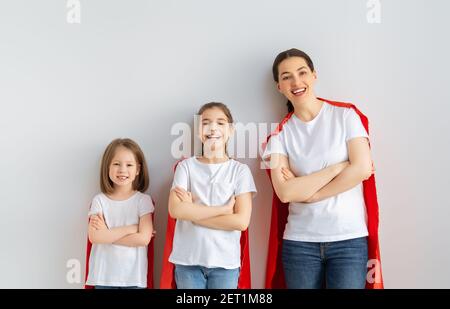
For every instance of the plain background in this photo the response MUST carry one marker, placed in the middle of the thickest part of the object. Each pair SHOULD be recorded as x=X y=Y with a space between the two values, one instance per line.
x=135 y=68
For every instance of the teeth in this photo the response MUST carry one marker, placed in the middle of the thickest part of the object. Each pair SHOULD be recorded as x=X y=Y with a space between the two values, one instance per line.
x=299 y=90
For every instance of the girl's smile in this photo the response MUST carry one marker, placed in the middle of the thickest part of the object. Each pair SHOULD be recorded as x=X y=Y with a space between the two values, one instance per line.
x=124 y=168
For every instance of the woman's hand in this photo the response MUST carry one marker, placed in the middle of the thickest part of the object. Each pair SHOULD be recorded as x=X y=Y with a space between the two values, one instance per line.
x=183 y=195
x=98 y=222
x=373 y=170
x=287 y=173
x=339 y=167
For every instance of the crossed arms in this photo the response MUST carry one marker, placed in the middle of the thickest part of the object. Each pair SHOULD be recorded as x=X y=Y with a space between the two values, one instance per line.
x=137 y=235
x=235 y=215
x=325 y=183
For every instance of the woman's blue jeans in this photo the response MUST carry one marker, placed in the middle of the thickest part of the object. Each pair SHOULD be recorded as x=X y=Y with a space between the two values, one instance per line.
x=332 y=265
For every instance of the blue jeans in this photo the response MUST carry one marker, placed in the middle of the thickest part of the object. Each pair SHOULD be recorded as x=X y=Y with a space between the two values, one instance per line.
x=331 y=265
x=104 y=287
x=199 y=277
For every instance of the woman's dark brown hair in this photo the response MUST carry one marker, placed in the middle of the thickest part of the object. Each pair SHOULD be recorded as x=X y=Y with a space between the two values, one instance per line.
x=141 y=182
x=293 y=52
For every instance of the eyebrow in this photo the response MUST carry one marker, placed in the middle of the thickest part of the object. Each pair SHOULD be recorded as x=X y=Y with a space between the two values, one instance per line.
x=219 y=119
x=303 y=67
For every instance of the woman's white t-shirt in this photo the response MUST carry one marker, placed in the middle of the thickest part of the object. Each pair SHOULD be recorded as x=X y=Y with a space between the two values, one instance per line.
x=210 y=185
x=312 y=146
x=116 y=265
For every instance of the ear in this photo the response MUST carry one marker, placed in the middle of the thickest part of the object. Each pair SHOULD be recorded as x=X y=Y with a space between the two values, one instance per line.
x=232 y=130
x=199 y=135
x=278 y=87
x=199 y=128
x=138 y=169
x=314 y=74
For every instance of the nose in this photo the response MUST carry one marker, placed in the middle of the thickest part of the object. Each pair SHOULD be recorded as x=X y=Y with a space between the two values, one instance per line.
x=213 y=126
x=122 y=168
x=295 y=81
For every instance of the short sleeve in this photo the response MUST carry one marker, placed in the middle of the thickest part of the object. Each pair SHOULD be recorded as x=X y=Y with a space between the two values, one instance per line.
x=275 y=145
x=181 y=176
x=96 y=207
x=353 y=126
x=245 y=182
x=146 y=205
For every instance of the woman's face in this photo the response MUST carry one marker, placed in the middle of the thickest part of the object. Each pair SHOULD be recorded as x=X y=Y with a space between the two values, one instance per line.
x=215 y=129
x=296 y=80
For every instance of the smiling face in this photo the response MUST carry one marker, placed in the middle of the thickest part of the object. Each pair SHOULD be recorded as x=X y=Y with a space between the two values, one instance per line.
x=296 y=80
x=215 y=130
x=123 y=168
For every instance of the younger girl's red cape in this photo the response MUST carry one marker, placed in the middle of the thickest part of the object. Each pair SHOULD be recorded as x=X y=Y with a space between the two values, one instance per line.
x=167 y=274
x=150 y=260
x=274 y=269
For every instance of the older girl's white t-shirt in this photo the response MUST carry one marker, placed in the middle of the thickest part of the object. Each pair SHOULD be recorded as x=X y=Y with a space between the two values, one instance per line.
x=211 y=185
x=310 y=147
x=116 y=265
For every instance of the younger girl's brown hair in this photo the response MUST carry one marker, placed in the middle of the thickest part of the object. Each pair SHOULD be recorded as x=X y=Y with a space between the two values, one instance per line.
x=141 y=182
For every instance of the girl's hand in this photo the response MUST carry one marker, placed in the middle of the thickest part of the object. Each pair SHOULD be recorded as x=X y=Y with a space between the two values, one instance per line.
x=98 y=222
x=229 y=207
x=287 y=173
x=183 y=195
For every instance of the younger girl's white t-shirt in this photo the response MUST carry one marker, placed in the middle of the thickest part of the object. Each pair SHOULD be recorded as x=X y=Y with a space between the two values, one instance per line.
x=310 y=147
x=211 y=185
x=116 y=265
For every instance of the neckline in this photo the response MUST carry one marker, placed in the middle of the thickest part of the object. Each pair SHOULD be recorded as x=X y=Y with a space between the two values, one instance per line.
x=312 y=121
x=125 y=200
x=216 y=164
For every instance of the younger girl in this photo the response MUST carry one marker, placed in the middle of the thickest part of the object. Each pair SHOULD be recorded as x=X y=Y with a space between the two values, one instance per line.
x=211 y=198
x=120 y=225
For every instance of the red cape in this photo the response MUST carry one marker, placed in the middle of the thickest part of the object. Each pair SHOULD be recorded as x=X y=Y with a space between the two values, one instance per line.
x=167 y=273
x=280 y=211
x=150 y=260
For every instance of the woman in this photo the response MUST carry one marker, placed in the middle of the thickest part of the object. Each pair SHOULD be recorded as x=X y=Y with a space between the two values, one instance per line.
x=319 y=158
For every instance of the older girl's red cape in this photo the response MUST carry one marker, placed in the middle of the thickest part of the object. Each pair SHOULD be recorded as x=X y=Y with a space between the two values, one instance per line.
x=274 y=269
x=150 y=260
x=167 y=274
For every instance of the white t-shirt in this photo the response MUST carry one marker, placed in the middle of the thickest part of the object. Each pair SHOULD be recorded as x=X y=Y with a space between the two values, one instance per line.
x=211 y=185
x=312 y=146
x=116 y=265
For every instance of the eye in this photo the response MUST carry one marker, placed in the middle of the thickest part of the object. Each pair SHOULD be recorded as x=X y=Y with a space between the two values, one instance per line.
x=130 y=165
x=285 y=77
x=303 y=73
x=116 y=164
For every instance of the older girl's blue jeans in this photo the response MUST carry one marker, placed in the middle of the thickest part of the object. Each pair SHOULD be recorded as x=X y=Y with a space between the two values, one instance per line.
x=332 y=265
x=199 y=277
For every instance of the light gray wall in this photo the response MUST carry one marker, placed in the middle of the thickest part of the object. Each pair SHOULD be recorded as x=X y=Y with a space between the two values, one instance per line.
x=135 y=68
